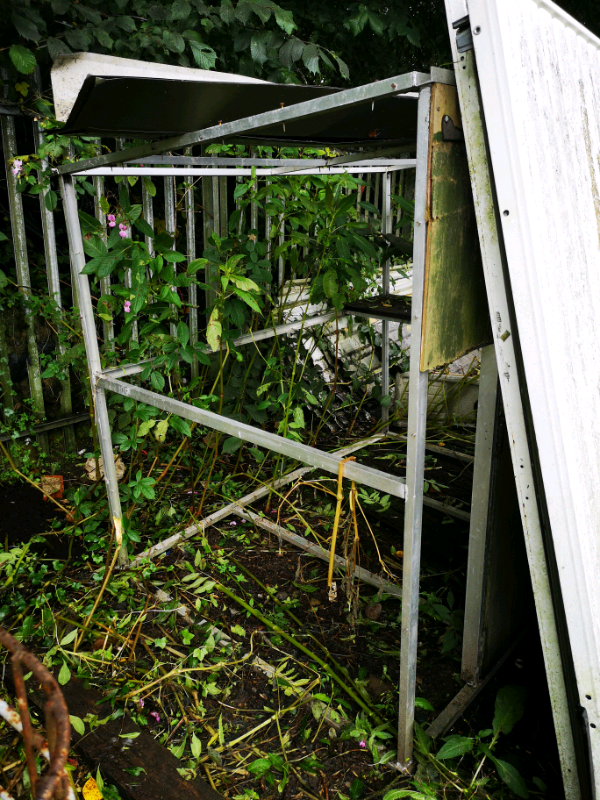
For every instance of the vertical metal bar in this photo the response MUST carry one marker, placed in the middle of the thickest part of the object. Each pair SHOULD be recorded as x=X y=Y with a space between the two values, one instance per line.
x=281 y=268
x=88 y=325
x=478 y=529
x=53 y=277
x=415 y=455
x=208 y=213
x=171 y=228
x=74 y=285
x=223 y=210
x=190 y=229
x=253 y=205
x=148 y=214
x=481 y=184
x=128 y=278
x=6 y=386
x=19 y=237
x=109 y=328
x=386 y=227
x=238 y=207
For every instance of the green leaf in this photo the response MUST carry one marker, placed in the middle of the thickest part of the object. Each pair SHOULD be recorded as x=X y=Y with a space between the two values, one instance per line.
x=77 y=724
x=51 y=200
x=509 y=708
x=238 y=629
x=310 y=58
x=245 y=284
x=26 y=28
x=22 y=59
x=64 y=676
x=103 y=38
x=182 y=426
x=196 y=746
x=511 y=777
x=174 y=41
x=183 y=333
x=180 y=9
x=240 y=190
x=330 y=284
x=3 y=280
x=158 y=383
x=56 y=48
x=144 y=227
x=149 y=186
x=126 y=23
x=204 y=56
x=231 y=444
x=69 y=637
x=455 y=746
x=421 y=702
x=173 y=256
x=285 y=19
x=160 y=432
x=214 y=331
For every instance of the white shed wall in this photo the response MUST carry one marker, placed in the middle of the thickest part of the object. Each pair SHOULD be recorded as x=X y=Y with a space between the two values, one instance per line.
x=539 y=73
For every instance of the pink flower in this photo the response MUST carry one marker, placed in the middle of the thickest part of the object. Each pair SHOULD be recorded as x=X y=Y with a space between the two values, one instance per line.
x=111 y=224
x=122 y=226
x=122 y=233
x=140 y=703
x=17 y=167
x=127 y=306
x=156 y=715
x=111 y=217
x=362 y=743
x=233 y=523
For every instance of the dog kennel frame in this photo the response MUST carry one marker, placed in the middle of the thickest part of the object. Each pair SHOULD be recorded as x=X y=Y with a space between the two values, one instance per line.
x=409 y=489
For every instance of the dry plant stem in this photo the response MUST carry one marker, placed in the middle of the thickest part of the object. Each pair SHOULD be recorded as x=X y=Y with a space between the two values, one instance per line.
x=336 y=522
x=304 y=649
x=35 y=485
x=90 y=616
x=293 y=617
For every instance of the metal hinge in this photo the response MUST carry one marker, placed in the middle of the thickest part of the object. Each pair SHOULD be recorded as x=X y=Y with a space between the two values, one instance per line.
x=450 y=133
x=464 y=39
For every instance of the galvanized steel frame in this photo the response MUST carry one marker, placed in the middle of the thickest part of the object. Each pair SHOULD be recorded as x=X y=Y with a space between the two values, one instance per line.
x=412 y=489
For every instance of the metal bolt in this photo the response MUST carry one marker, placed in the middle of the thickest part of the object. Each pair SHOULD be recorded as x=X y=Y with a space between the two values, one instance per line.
x=477 y=30
x=394 y=86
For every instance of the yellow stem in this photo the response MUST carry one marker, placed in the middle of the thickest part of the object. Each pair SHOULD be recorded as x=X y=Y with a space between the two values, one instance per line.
x=338 y=511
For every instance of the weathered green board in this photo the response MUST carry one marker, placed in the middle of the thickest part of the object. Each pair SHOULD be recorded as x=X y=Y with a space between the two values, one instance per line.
x=455 y=309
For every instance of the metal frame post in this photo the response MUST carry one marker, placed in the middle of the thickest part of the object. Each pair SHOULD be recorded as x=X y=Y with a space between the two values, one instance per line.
x=386 y=227
x=415 y=451
x=478 y=529
x=19 y=237
x=88 y=326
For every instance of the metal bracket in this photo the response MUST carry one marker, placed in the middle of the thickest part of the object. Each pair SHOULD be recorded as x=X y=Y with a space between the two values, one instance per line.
x=450 y=133
x=464 y=39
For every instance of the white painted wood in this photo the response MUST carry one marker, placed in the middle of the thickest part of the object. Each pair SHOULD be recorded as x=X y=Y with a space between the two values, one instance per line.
x=69 y=71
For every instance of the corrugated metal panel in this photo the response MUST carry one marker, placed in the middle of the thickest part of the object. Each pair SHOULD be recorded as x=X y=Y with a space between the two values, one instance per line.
x=539 y=74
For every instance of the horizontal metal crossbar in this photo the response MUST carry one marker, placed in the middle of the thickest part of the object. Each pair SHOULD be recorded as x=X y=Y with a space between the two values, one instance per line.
x=247 y=338
x=311 y=108
x=287 y=447
x=158 y=172
x=367 y=157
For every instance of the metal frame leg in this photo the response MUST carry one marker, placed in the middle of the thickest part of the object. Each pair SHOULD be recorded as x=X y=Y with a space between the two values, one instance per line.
x=482 y=471
x=415 y=456
x=86 y=312
x=386 y=227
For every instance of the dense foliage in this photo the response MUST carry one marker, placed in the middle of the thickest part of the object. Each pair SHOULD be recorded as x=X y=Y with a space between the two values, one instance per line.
x=294 y=42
